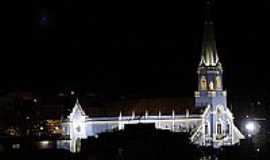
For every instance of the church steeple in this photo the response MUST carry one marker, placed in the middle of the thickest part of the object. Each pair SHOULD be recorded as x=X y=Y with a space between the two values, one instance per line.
x=210 y=70
x=209 y=56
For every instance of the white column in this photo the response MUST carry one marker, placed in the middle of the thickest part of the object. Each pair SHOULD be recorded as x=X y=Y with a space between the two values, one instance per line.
x=173 y=120
x=133 y=115
x=146 y=114
x=159 y=118
x=120 y=123
x=120 y=116
x=187 y=113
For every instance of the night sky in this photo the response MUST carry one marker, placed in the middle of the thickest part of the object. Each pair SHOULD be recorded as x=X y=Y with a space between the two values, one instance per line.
x=138 y=48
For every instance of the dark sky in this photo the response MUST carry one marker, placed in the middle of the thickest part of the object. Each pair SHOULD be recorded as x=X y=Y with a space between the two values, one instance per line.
x=139 y=48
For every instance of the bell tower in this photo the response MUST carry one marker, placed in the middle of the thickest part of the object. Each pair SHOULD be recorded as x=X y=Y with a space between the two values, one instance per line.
x=210 y=86
x=217 y=122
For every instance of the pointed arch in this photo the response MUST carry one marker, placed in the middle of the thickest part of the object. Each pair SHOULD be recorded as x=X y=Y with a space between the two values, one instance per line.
x=211 y=85
x=203 y=83
x=218 y=83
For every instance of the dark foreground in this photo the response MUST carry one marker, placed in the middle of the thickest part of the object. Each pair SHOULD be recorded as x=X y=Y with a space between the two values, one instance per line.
x=142 y=144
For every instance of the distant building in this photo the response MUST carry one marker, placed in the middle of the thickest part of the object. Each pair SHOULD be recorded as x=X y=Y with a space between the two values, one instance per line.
x=210 y=121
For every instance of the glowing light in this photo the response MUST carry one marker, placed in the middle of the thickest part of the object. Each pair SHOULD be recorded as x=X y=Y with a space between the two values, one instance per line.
x=44 y=19
x=258 y=149
x=250 y=127
x=72 y=92
x=15 y=146
x=44 y=142
x=41 y=128
x=61 y=94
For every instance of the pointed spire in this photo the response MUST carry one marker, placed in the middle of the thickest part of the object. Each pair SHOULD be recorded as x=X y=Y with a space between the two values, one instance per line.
x=209 y=55
x=77 y=108
x=77 y=101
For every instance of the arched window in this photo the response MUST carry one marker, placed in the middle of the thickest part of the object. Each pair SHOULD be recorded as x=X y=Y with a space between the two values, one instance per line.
x=218 y=82
x=219 y=128
x=211 y=86
x=220 y=109
x=78 y=129
x=203 y=83
x=228 y=129
x=206 y=129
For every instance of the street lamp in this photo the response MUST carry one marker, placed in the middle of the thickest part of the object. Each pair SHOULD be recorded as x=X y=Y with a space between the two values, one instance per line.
x=250 y=127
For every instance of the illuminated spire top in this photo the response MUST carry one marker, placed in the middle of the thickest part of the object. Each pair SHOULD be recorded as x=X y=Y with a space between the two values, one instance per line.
x=209 y=55
x=77 y=110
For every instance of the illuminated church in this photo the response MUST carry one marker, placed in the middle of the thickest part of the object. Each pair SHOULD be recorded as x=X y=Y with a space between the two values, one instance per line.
x=209 y=121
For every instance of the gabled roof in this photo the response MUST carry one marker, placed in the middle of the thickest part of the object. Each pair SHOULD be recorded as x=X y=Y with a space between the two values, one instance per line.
x=77 y=110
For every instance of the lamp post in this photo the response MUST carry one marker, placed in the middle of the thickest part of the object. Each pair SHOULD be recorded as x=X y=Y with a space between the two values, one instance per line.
x=250 y=127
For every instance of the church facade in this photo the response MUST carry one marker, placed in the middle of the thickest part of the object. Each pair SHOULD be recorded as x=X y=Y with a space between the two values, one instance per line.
x=212 y=125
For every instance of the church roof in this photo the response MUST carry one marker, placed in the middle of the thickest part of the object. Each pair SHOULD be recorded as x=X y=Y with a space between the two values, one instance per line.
x=152 y=105
x=209 y=55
